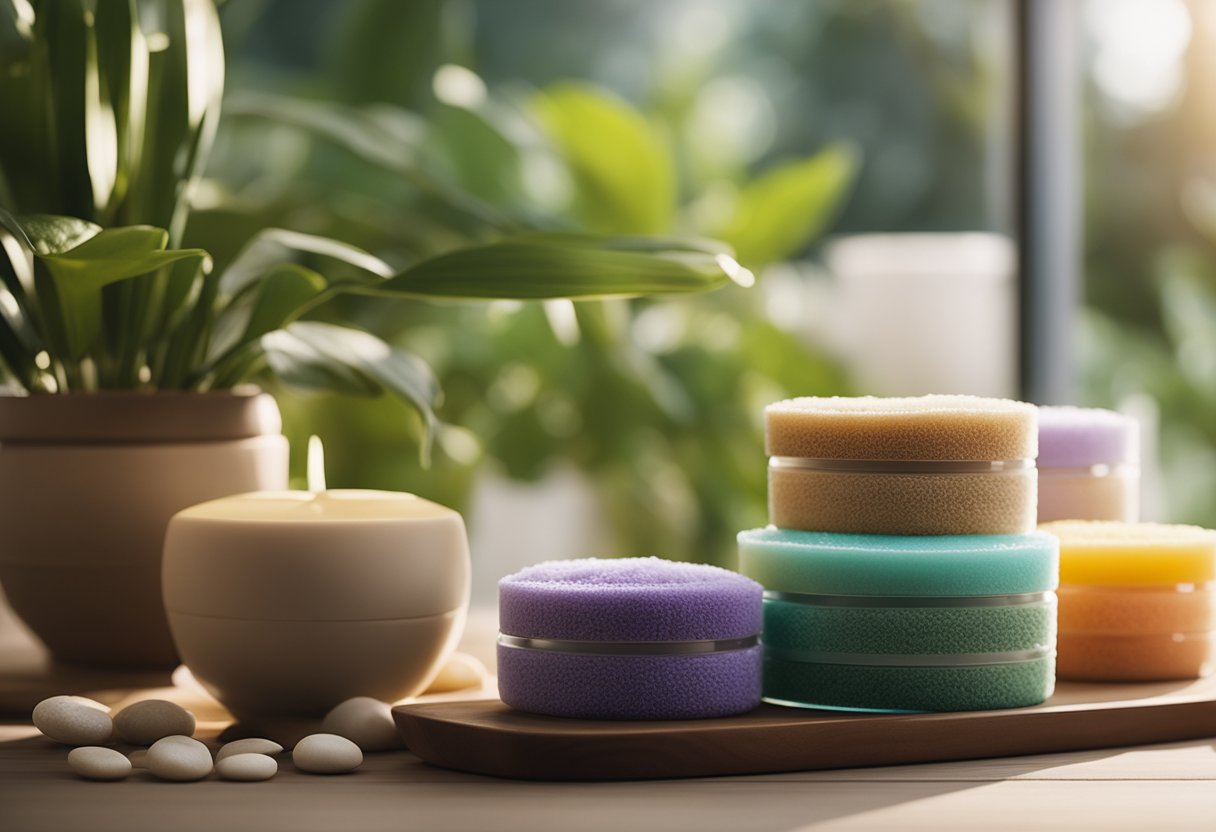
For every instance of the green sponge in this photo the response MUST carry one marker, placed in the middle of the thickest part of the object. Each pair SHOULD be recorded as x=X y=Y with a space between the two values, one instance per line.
x=910 y=630
x=908 y=689
x=868 y=564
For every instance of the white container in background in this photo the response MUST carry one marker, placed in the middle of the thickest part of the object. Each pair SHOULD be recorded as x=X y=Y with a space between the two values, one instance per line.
x=926 y=312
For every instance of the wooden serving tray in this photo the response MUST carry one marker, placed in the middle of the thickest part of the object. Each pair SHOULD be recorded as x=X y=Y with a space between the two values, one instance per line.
x=487 y=737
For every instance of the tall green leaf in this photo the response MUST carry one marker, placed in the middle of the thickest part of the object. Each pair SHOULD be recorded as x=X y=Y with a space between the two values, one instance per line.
x=622 y=170
x=780 y=212
x=79 y=274
x=525 y=270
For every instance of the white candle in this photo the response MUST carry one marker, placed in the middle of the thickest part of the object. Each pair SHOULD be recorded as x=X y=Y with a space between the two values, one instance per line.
x=284 y=604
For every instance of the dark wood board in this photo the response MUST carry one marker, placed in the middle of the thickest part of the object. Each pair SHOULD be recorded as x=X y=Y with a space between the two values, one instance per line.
x=487 y=737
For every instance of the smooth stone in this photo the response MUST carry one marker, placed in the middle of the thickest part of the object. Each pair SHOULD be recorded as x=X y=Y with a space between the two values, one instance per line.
x=247 y=767
x=93 y=762
x=138 y=757
x=73 y=720
x=178 y=758
x=143 y=723
x=253 y=745
x=366 y=722
x=326 y=754
x=460 y=672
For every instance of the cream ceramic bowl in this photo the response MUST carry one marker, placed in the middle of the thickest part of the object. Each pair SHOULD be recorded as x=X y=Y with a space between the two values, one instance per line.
x=284 y=604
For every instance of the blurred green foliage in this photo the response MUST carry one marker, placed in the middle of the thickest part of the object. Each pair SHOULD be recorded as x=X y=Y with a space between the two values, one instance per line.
x=745 y=122
x=1150 y=287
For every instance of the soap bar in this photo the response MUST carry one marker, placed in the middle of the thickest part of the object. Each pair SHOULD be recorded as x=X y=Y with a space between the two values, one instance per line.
x=1094 y=553
x=872 y=564
x=630 y=638
x=1136 y=601
x=933 y=465
x=1146 y=658
x=1088 y=465
x=890 y=623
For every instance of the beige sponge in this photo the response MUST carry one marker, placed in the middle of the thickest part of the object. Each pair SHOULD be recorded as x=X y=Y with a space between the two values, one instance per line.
x=886 y=503
x=934 y=465
x=922 y=428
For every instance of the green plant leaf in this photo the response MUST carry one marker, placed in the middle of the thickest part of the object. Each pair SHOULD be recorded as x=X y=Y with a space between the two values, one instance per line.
x=79 y=274
x=649 y=243
x=623 y=172
x=47 y=234
x=273 y=246
x=322 y=356
x=264 y=306
x=784 y=209
x=540 y=271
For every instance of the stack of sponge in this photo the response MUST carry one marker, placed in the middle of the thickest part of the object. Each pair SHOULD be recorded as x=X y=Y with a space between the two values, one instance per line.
x=902 y=571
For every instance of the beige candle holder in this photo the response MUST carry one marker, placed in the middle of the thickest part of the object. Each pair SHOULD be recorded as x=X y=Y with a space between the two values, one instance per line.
x=284 y=604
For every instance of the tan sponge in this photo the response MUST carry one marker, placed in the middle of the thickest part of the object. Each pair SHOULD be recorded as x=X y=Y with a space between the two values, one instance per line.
x=921 y=428
x=957 y=465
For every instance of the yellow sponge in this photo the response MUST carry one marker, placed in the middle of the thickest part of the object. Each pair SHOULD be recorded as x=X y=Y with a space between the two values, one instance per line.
x=1109 y=553
x=922 y=428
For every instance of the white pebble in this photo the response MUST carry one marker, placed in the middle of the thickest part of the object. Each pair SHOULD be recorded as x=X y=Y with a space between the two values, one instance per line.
x=247 y=767
x=143 y=723
x=73 y=720
x=460 y=672
x=366 y=722
x=94 y=762
x=249 y=746
x=326 y=754
x=178 y=758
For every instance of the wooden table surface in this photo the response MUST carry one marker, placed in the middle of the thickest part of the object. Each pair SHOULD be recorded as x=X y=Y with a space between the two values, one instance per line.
x=1145 y=788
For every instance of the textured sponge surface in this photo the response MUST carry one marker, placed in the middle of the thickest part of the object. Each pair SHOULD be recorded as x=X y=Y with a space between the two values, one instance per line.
x=1077 y=437
x=881 y=688
x=903 y=504
x=909 y=630
x=1108 y=553
x=868 y=564
x=628 y=599
x=922 y=428
x=1144 y=658
x=630 y=687
x=1132 y=611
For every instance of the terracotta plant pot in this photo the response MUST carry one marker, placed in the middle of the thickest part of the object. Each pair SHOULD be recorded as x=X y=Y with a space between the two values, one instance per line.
x=88 y=483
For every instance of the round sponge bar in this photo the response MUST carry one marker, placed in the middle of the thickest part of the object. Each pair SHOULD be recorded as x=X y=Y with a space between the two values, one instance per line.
x=911 y=631
x=630 y=687
x=884 y=688
x=1080 y=437
x=1145 y=658
x=924 y=428
x=822 y=563
x=628 y=599
x=1109 y=553
x=1094 y=610
x=903 y=503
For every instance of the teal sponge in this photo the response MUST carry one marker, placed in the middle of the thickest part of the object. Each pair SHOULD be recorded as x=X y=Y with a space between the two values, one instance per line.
x=866 y=564
x=908 y=689
x=892 y=623
x=910 y=630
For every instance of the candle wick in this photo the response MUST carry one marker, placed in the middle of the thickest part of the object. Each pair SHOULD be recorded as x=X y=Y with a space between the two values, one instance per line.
x=316 y=465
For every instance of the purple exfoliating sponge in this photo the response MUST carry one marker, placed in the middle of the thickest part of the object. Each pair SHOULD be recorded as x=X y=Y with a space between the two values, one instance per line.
x=1080 y=437
x=635 y=638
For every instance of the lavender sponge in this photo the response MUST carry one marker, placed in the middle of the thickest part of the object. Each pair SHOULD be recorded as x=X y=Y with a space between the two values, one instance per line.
x=635 y=638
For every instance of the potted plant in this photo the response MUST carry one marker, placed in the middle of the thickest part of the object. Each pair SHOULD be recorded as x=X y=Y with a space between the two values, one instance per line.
x=126 y=353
